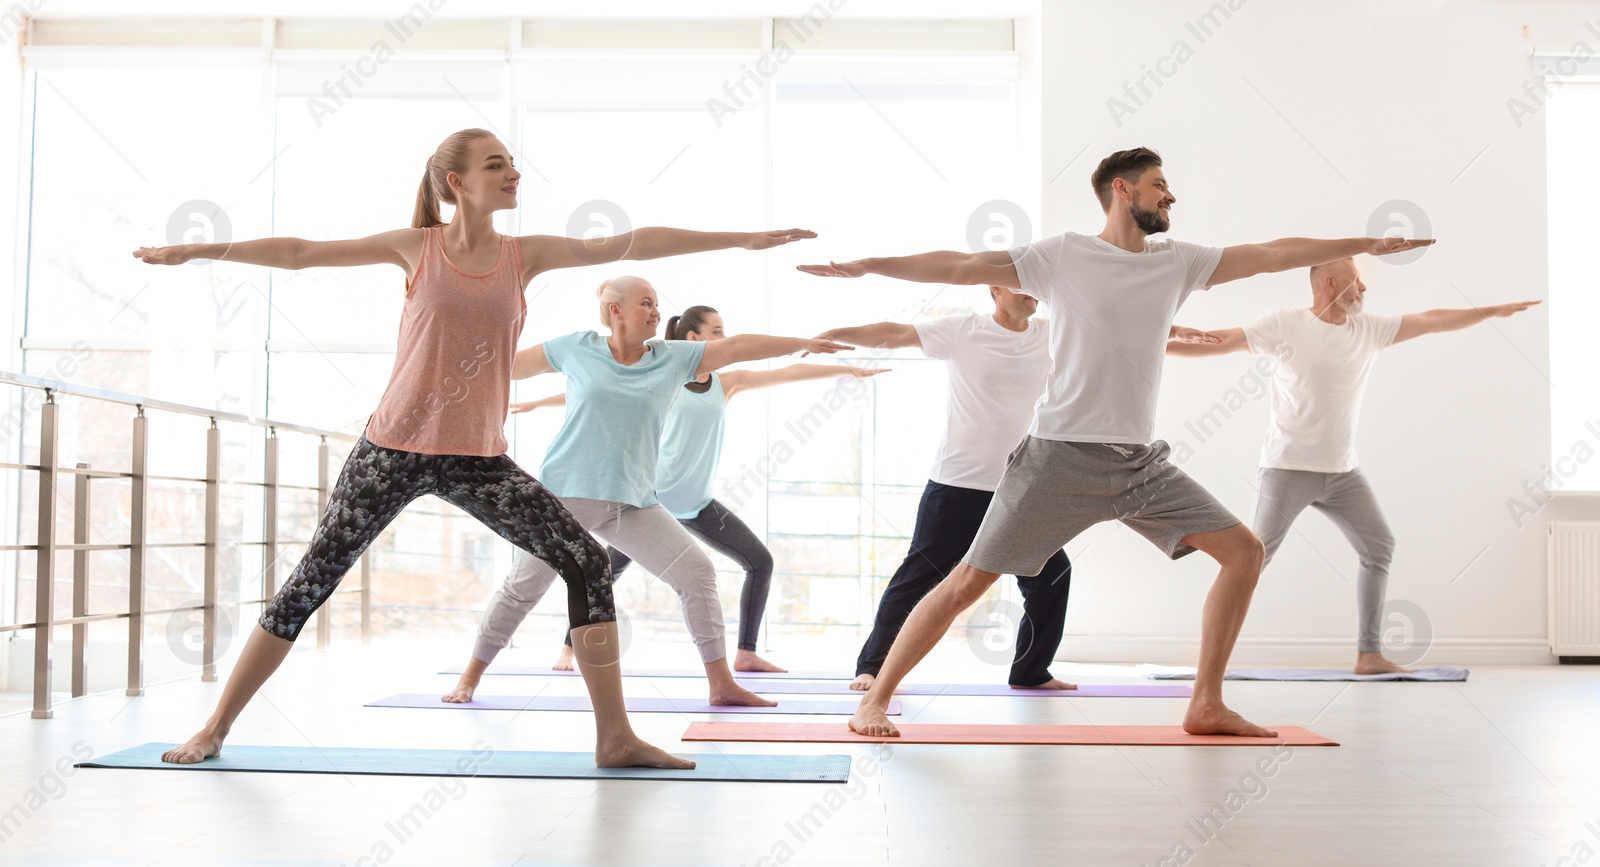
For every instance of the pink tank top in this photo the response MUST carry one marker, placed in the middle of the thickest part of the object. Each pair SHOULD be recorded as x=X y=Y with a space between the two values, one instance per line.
x=451 y=382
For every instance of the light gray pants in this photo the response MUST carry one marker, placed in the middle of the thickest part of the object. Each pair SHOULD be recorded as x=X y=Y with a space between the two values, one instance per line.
x=650 y=537
x=1347 y=500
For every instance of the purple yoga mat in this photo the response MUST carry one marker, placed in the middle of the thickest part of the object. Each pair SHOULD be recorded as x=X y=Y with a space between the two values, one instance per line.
x=634 y=705
x=546 y=671
x=1085 y=690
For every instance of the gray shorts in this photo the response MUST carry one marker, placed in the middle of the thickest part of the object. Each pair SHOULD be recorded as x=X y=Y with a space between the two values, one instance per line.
x=1053 y=490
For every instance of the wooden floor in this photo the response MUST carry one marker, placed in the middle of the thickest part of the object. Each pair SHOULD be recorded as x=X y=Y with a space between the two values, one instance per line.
x=1501 y=770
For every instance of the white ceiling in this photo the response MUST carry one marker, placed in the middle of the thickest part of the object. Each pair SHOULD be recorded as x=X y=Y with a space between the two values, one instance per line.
x=646 y=9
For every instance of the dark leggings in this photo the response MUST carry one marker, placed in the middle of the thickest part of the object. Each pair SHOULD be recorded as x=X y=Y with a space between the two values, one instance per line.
x=947 y=521
x=376 y=483
x=722 y=530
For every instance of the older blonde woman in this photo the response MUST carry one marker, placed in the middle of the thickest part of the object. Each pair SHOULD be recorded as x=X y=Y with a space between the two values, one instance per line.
x=602 y=466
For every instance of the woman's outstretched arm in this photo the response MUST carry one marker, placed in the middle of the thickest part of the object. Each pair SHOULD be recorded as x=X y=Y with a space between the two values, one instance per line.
x=740 y=381
x=755 y=347
x=549 y=252
x=398 y=247
x=541 y=403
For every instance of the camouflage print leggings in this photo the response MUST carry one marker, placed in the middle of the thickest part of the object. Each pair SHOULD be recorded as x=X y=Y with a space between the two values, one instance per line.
x=376 y=483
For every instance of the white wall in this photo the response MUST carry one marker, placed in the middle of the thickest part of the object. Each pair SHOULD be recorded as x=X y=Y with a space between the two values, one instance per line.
x=1300 y=119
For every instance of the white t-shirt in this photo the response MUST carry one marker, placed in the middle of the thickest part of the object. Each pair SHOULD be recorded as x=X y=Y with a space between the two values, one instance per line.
x=1316 y=390
x=996 y=376
x=1110 y=311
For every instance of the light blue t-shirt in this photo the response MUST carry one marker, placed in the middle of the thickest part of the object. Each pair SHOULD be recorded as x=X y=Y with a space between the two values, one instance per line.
x=691 y=448
x=608 y=446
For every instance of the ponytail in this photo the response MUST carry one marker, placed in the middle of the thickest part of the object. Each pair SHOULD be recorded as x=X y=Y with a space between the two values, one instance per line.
x=693 y=319
x=426 y=213
x=451 y=156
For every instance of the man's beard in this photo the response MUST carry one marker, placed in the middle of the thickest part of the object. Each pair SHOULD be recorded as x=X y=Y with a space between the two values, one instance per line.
x=1352 y=304
x=1150 y=222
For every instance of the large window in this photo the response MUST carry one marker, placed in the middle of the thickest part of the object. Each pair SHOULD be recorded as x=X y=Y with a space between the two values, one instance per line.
x=1573 y=135
x=929 y=145
x=894 y=148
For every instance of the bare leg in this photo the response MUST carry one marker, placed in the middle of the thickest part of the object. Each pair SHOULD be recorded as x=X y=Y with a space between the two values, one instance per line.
x=863 y=682
x=564 y=661
x=468 y=684
x=1240 y=554
x=1375 y=663
x=263 y=653
x=615 y=744
x=746 y=660
x=725 y=690
x=921 y=633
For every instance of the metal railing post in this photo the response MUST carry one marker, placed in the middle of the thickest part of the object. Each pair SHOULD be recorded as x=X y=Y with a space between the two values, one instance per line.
x=137 y=501
x=325 y=613
x=45 y=572
x=48 y=545
x=208 y=645
x=80 y=581
x=269 y=516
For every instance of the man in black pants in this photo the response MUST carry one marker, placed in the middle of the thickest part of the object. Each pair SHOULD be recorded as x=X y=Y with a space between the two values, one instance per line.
x=948 y=518
x=997 y=367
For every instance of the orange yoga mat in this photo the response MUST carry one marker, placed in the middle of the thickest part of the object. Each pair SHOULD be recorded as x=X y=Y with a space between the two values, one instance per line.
x=965 y=733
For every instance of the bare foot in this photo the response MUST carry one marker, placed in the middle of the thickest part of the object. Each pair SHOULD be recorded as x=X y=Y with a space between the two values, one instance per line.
x=462 y=694
x=870 y=720
x=564 y=661
x=634 y=753
x=202 y=746
x=734 y=694
x=1052 y=683
x=746 y=660
x=863 y=682
x=1374 y=663
x=1214 y=718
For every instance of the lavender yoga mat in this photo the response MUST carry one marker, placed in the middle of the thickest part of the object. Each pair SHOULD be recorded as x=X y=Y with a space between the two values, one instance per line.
x=546 y=671
x=1085 y=690
x=634 y=705
x=1436 y=673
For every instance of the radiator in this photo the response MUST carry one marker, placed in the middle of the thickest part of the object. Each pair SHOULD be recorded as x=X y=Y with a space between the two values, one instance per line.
x=1574 y=571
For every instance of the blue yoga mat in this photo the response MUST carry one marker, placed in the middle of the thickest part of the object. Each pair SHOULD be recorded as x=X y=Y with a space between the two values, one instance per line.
x=1436 y=673
x=483 y=763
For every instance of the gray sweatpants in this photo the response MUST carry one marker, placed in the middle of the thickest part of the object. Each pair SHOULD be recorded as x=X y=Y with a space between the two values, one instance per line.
x=1347 y=500
x=650 y=537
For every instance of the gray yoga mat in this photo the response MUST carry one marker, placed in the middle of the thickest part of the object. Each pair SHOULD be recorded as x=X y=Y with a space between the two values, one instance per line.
x=1084 y=690
x=546 y=671
x=499 y=763
x=1436 y=673
x=634 y=705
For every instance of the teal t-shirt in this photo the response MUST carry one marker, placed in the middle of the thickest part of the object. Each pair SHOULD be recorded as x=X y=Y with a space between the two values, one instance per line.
x=608 y=446
x=691 y=448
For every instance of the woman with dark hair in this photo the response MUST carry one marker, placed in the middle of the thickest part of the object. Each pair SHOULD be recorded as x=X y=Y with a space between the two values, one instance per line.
x=438 y=428
x=691 y=448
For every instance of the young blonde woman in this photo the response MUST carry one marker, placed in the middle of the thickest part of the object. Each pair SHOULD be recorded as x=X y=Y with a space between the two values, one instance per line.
x=691 y=449
x=602 y=464
x=438 y=427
